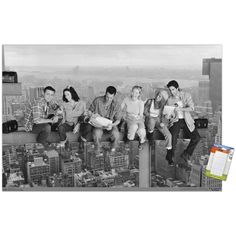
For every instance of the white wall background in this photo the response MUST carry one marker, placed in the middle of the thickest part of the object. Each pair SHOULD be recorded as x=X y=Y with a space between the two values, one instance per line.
x=125 y=22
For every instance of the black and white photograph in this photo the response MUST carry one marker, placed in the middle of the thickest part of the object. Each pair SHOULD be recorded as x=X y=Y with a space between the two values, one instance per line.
x=110 y=117
x=117 y=117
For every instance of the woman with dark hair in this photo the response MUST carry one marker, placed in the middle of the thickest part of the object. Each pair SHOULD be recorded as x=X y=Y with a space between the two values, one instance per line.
x=153 y=111
x=72 y=108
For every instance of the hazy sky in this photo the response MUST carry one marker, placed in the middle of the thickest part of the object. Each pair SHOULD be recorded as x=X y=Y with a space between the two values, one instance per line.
x=113 y=55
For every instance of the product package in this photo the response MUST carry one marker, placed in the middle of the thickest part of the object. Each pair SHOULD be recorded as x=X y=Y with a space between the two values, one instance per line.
x=219 y=162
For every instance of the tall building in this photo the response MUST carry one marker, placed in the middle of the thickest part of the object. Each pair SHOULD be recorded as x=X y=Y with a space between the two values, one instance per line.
x=133 y=152
x=95 y=162
x=119 y=160
x=213 y=68
x=37 y=171
x=201 y=149
x=211 y=135
x=71 y=166
x=205 y=109
x=196 y=175
x=80 y=149
x=218 y=137
x=22 y=159
x=198 y=151
x=9 y=91
x=217 y=117
x=15 y=106
x=6 y=160
x=53 y=161
x=6 y=106
x=204 y=90
x=35 y=93
x=136 y=162
x=64 y=153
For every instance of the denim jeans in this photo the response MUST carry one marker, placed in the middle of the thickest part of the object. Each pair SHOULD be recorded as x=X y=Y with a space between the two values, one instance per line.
x=62 y=129
x=194 y=136
x=154 y=122
x=43 y=131
x=136 y=127
x=114 y=136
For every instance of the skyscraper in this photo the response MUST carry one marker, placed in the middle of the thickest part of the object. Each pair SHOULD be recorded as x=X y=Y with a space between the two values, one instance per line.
x=71 y=166
x=6 y=160
x=200 y=150
x=196 y=175
x=133 y=152
x=119 y=160
x=53 y=161
x=218 y=137
x=37 y=171
x=95 y=162
x=204 y=90
x=35 y=93
x=213 y=68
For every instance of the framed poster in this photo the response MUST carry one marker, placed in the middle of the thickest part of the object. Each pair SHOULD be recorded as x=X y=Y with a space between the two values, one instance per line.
x=110 y=117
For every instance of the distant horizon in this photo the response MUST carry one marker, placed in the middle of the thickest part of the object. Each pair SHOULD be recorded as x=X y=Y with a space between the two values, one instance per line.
x=104 y=66
x=180 y=67
x=163 y=56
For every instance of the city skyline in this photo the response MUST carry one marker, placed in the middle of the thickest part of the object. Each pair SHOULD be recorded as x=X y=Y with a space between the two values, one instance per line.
x=30 y=165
